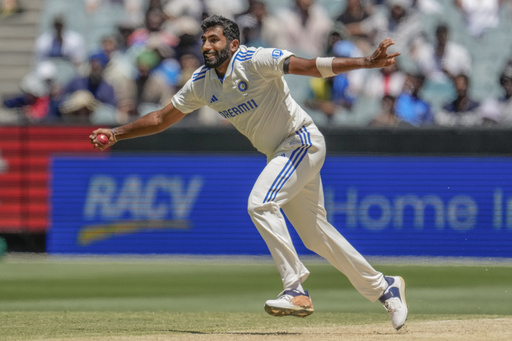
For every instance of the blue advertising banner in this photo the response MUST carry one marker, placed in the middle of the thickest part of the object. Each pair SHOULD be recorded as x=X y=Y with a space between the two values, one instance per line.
x=197 y=204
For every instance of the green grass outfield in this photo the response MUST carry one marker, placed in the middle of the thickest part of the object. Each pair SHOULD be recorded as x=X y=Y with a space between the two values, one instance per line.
x=43 y=297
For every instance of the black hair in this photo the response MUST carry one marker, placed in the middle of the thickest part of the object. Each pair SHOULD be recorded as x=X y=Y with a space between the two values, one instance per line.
x=506 y=75
x=229 y=27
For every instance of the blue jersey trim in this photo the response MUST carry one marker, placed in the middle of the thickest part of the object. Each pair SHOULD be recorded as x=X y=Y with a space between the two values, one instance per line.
x=243 y=56
x=200 y=74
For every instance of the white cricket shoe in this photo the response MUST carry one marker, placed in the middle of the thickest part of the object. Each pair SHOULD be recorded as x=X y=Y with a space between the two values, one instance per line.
x=393 y=300
x=290 y=303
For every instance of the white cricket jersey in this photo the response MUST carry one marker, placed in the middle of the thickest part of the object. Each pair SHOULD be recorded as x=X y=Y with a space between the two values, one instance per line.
x=253 y=96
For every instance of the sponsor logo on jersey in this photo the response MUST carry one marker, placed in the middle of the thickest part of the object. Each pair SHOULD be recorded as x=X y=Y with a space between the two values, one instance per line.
x=277 y=53
x=214 y=99
x=239 y=109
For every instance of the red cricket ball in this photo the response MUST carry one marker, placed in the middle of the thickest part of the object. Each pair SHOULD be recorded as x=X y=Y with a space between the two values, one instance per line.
x=102 y=138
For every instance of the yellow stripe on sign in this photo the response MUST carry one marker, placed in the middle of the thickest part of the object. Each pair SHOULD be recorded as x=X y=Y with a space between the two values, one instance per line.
x=94 y=233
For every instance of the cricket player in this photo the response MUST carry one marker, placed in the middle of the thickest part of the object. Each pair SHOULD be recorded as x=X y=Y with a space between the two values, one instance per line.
x=246 y=86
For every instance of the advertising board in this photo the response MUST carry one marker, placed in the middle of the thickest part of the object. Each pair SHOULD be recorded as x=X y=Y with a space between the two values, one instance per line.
x=197 y=204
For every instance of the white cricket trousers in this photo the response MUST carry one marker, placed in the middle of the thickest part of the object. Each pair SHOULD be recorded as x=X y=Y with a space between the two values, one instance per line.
x=291 y=182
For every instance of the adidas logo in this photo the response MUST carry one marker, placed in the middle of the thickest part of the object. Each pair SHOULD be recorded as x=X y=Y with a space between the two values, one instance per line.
x=214 y=99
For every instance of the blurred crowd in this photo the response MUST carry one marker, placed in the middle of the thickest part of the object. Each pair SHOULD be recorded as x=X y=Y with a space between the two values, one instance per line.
x=153 y=50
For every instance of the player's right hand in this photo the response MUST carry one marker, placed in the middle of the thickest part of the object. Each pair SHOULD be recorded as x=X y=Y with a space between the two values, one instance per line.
x=96 y=144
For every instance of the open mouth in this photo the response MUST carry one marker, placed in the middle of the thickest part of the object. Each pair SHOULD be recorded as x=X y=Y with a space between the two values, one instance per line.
x=210 y=55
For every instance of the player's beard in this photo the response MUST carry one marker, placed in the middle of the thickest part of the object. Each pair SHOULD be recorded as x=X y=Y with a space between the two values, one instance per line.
x=222 y=56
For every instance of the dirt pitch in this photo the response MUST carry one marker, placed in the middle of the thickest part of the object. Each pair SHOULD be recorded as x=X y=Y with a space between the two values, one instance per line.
x=451 y=330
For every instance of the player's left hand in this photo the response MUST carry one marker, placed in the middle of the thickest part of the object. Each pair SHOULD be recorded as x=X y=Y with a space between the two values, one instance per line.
x=380 y=57
x=96 y=144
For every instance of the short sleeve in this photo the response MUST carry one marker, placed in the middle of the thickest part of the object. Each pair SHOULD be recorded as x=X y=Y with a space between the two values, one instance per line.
x=269 y=62
x=186 y=99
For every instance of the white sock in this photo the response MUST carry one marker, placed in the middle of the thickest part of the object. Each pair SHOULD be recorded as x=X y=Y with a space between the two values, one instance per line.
x=299 y=288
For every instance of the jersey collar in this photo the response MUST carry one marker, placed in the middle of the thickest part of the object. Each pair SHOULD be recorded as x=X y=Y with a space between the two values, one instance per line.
x=231 y=65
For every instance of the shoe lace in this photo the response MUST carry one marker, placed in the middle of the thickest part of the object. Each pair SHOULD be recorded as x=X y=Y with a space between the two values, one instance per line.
x=283 y=296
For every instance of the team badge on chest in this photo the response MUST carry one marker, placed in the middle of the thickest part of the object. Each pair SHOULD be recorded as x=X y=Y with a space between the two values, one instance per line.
x=242 y=86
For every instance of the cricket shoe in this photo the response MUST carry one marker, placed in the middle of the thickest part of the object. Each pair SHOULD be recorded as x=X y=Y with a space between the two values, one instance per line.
x=290 y=303
x=393 y=300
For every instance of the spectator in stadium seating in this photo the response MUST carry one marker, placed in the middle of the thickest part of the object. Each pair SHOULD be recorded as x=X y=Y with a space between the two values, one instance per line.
x=39 y=98
x=355 y=12
x=498 y=111
x=444 y=59
x=303 y=28
x=409 y=107
x=463 y=111
x=227 y=8
x=95 y=83
x=189 y=38
x=189 y=63
x=9 y=8
x=40 y=95
x=346 y=86
x=168 y=65
x=378 y=88
x=255 y=25
x=387 y=117
x=176 y=9
x=123 y=70
x=108 y=48
x=149 y=89
x=183 y=19
x=118 y=72
x=61 y=43
x=398 y=20
x=383 y=82
x=47 y=72
x=124 y=29
x=133 y=9
x=429 y=7
x=153 y=27
x=155 y=4
x=32 y=102
x=78 y=107
x=108 y=53
x=480 y=16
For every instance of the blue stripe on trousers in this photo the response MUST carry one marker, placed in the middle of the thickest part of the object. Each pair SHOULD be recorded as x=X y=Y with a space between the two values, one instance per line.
x=295 y=159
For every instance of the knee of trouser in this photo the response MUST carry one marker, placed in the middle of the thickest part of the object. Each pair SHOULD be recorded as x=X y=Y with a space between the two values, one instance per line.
x=256 y=207
x=312 y=244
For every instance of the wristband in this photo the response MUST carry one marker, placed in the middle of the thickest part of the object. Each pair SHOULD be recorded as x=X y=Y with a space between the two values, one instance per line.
x=324 y=66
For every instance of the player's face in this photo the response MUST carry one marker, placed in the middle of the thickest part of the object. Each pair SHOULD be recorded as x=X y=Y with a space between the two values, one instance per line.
x=215 y=48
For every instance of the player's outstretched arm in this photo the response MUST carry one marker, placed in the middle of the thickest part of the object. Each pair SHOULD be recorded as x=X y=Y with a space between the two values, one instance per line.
x=328 y=67
x=149 y=124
